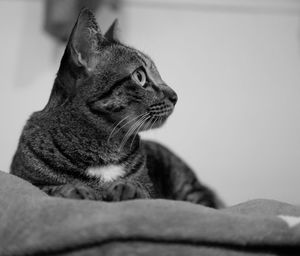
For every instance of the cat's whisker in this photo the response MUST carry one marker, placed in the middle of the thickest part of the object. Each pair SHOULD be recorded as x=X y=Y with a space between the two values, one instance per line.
x=128 y=134
x=115 y=127
x=139 y=127
x=154 y=122
x=134 y=128
x=149 y=123
x=131 y=131
x=128 y=122
x=138 y=122
x=160 y=119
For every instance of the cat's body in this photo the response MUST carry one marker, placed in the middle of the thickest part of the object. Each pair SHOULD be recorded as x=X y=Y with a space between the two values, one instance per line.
x=84 y=143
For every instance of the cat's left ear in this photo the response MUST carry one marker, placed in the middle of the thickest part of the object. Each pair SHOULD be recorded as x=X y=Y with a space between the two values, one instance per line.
x=112 y=33
x=85 y=40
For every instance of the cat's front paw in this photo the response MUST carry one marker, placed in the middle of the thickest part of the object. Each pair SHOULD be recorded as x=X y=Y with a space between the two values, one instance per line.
x=124 y=190
x=72 y=191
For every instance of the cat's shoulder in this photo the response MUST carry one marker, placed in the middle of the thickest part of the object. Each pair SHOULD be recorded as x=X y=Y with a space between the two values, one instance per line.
x=36 y=126
x=41 y=120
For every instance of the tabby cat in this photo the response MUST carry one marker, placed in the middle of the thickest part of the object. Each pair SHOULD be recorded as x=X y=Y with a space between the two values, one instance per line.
x=85 y=143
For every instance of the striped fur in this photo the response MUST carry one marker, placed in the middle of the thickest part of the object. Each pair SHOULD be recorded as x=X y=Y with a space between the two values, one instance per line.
x=85 y=143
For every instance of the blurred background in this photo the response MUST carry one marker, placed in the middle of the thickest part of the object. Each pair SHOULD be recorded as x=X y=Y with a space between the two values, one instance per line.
x=235 y=65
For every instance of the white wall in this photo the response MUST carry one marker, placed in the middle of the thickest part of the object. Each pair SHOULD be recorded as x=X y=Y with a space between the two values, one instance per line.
x=236 y=71
x=27 y=67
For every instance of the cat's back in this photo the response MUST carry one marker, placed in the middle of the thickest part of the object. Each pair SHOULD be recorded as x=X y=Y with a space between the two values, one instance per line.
x=35 y=140
x=156 y=152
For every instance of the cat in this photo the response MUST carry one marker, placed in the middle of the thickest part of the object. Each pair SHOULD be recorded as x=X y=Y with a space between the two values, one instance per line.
x=84 y=144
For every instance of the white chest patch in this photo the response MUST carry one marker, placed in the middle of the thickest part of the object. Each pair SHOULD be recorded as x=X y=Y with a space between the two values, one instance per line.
x=106 y=173
x=291 y=221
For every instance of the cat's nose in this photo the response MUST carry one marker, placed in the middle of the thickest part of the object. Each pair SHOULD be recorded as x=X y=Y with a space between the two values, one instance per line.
x=171 y=95
x=173 y=98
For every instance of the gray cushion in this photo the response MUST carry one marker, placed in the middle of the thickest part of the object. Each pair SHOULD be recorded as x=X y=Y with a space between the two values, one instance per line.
x=32 y=223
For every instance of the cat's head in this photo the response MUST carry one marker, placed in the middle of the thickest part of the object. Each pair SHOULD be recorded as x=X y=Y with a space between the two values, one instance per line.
x=104 y=79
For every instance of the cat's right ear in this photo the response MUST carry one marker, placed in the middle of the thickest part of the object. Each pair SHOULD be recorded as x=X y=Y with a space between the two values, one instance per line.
x=112 y=32
x=84 y=42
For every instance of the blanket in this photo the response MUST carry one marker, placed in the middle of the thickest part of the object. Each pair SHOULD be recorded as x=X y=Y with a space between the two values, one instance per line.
x=32 y=223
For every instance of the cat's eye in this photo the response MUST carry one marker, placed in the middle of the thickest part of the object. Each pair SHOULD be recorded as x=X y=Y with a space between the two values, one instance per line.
x=140 y=77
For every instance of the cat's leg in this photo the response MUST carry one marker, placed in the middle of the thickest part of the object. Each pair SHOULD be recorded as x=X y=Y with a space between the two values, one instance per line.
x=125 y=190
x=175 y=179
x=78 y=191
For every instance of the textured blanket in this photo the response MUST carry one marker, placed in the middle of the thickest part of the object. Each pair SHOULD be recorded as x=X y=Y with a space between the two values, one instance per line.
x=31 y=223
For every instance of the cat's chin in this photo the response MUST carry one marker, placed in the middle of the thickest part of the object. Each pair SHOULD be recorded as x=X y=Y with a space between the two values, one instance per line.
x=154 y=122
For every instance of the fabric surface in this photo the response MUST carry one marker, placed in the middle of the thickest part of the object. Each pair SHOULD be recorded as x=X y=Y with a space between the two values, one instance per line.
x=31 y=223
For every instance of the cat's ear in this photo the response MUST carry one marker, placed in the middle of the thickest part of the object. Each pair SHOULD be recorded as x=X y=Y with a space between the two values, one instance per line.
x=85 y=40
x=112 y=33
